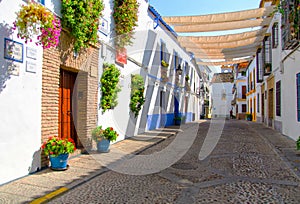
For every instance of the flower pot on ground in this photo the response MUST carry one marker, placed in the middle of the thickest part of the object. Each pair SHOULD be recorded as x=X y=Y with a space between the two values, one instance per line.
x=178 y=120
x=59 y=162
x=58 y=150
x=104 y=137
x=298 y=144
x=249 y=116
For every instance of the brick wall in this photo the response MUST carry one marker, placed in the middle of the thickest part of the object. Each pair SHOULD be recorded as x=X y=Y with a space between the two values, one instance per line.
x=86 y=65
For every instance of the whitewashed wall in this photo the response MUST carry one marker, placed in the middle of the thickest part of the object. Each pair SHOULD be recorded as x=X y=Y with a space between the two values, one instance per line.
x=121 y=118
x=291 y=126
x=221 y=105
x=20 y=104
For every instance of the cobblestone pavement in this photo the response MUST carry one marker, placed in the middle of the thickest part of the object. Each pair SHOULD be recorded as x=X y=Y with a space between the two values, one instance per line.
x=244 y=167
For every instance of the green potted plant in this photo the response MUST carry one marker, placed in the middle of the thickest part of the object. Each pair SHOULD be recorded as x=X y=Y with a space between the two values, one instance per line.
x=249 y=116
x=81 y=18
x=178 y=120
x=137 y=98
x=103 y=137
x=109 y=86
x=58 y=150
x=187 y=78
x=125 y=14
x=298 y=144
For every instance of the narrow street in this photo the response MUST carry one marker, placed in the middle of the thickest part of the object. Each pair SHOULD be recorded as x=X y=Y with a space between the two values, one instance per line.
x=246 y=166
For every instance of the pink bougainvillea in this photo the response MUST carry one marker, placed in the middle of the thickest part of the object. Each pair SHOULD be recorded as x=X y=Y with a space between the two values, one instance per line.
x=34 y=20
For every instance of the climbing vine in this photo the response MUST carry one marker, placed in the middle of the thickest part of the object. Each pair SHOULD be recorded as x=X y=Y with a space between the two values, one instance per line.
x=137 y=94
x=125 y=16
x=82 y=19
x=109 y=86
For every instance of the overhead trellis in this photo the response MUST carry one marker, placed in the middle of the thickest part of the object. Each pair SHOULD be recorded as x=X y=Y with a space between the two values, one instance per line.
x=223 y=49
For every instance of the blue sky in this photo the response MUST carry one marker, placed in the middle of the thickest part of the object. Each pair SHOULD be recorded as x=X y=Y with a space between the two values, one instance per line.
x=201 y=7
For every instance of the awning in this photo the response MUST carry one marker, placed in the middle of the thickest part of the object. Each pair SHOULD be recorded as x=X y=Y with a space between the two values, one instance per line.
x=225 y=62
x=219 y=18
x=222 y=26
x=228 y=49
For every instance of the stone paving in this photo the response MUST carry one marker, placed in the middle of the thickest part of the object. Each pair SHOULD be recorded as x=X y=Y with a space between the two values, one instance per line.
x=82 y=168
x=250 y=164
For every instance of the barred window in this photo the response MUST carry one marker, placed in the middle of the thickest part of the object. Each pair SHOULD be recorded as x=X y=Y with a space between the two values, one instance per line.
x=278 y=98
x=298 y=96
x=275 y=35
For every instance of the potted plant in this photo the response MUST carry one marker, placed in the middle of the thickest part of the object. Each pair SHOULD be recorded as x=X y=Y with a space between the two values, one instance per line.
x=249 y=116
x=104 y=137
x=298 y=144
x=267 y=67
x=164 y=63
x=178 y=120
x=33 y=20
x=58 y=150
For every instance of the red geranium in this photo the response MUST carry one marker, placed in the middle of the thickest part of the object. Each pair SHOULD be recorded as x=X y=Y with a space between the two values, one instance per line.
x=56 y=146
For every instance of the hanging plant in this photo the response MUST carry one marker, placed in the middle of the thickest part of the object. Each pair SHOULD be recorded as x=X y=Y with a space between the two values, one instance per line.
x=137 y=99
x=125 y=16
x=82 y=19
x=33 y=20
x=164 y=63
x=109 y=86
x=187 y=78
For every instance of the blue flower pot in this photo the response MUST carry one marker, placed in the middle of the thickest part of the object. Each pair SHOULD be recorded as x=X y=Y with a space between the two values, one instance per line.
x=103 y=145
x=60 y=162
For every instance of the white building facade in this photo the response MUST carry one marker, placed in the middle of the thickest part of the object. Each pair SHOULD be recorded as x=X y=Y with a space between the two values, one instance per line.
x=30 y=84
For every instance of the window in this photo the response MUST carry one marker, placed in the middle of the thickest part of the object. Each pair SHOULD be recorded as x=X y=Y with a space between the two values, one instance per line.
x=244 y=108
x=254 y=85
x=251 y=81
x=248 y=82
x=278 y=98
x=244 y=89
x=258 y=101
x=275 y=35
x=298 y=96
x=176 y=60
x=163 y=51
x=259 y=66
x=267 y=55
x=185 y=68
x=271 y=104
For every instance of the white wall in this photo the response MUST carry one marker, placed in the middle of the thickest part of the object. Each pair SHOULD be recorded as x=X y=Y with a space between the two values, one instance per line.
x=121 y=117
x=20 y=104
x=221 y=96
x=291 y=126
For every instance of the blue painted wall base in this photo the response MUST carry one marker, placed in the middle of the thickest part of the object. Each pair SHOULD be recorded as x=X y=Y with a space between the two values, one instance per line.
x=164 y=120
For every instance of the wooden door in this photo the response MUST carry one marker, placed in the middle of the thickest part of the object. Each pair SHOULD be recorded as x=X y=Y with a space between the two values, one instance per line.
x=66 y=107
